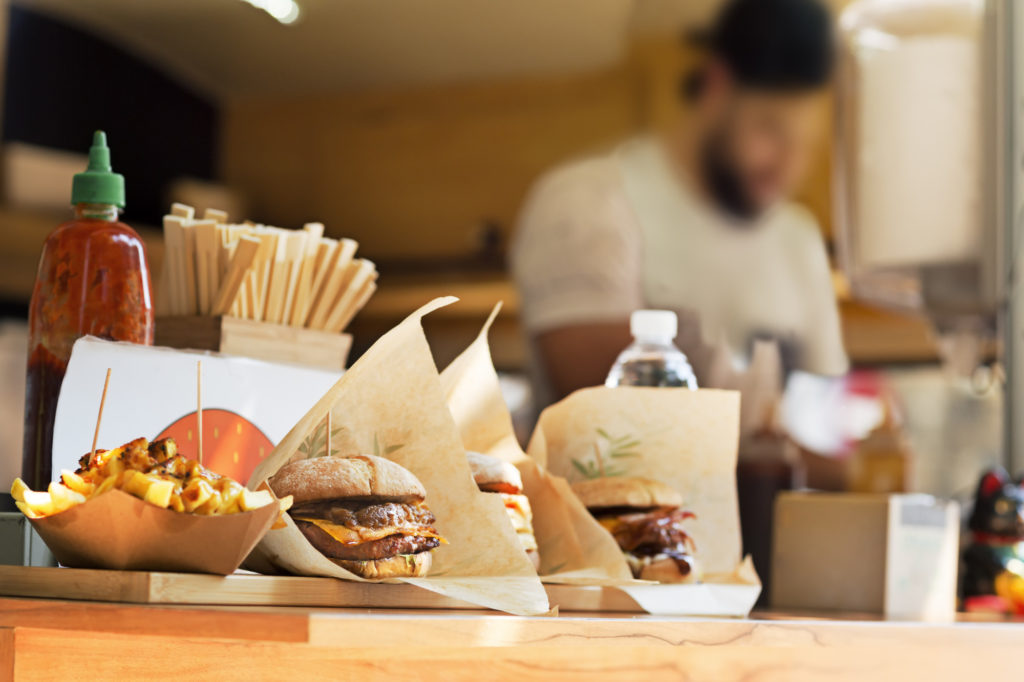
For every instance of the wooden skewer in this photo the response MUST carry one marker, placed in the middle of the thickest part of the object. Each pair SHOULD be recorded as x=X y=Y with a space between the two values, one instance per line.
x=600 y=462
x=199 y=407
x=328 y=453
x=99 y=417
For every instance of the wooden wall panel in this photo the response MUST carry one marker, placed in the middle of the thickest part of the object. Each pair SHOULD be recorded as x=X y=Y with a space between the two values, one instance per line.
x=412 y=174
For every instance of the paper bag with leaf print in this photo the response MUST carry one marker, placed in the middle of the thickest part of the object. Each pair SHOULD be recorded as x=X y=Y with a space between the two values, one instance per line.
x=687 y=439
x=573 y=547
x=390 y=403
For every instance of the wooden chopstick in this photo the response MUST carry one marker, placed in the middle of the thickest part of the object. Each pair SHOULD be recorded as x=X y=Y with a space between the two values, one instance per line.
x=364 y=270
x=207 y=280
x=264 y=264
x=245 y=255
x=174 y=247
x=297 y=307
x=329 y=291
x=295 y=254
x=360 y=302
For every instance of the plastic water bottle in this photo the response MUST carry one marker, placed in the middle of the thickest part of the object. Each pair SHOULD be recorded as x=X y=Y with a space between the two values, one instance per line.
x=652 y=359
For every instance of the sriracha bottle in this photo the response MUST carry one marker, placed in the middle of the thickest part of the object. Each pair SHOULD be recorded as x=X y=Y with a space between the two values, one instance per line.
x=92 y=280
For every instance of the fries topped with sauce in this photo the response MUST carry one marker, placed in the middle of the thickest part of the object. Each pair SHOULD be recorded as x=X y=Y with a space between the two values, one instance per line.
x=154 y=472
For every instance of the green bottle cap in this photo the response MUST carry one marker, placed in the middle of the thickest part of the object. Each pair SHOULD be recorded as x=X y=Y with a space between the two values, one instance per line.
x=98 y=184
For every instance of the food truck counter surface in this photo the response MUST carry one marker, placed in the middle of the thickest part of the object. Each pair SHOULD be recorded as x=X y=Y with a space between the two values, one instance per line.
x=66 y=640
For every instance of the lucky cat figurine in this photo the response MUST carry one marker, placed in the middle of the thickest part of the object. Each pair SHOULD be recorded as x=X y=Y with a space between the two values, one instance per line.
x=993 y=563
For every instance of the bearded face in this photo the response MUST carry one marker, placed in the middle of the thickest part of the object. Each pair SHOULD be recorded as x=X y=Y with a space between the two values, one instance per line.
x=758 y=149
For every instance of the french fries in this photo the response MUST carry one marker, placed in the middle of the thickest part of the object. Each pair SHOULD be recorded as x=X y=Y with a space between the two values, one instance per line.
x=153 y=472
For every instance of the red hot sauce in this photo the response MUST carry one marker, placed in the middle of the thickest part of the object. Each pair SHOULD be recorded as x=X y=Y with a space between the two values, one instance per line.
x=93 y=279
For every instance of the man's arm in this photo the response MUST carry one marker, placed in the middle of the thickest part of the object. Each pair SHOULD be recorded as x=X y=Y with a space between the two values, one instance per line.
x=576 y=261
x=580 y=355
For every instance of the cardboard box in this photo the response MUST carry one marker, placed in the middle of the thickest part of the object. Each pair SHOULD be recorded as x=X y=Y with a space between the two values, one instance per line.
x=895 y=555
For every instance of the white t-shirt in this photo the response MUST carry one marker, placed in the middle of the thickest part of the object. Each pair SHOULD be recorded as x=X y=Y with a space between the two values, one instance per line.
x=602 y=237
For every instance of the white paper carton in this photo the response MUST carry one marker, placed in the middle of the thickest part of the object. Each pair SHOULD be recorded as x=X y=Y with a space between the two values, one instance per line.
x=248 y=405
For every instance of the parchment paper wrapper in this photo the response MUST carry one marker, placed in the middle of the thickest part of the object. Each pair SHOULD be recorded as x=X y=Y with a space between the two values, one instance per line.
x=687 y=439
x=119 y=531
x=390 y=403
x=572 y=545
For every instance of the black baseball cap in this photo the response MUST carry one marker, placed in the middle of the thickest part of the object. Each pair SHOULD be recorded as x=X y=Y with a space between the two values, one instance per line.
x=773 y=44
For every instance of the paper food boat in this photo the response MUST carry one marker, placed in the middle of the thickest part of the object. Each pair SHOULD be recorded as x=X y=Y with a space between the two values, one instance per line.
x=119 y=531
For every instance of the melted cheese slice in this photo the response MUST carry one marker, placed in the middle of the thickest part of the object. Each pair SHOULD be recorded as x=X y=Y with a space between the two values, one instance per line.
x=348 y=536
x=610 y=524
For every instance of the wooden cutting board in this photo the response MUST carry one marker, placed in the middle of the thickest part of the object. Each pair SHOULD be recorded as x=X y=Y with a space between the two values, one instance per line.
x=249 y=589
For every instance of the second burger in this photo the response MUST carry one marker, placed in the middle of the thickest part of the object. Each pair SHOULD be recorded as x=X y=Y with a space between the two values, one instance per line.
x=366 y=514
x=646 y=520
x=493 y=475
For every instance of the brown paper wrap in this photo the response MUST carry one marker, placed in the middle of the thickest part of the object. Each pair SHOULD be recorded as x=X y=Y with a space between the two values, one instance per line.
x=572 y=545
x=119 y=531
x=390 y=403
x=688 y=439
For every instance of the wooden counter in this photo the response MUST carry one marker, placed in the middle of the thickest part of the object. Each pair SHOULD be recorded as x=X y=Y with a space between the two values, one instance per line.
x=61 y=640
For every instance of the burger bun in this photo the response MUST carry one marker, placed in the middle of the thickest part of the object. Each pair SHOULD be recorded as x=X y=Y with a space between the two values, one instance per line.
x=355 y=477
x=625 y=491
x=400 y=566
x=494 y=473
x=666 y=570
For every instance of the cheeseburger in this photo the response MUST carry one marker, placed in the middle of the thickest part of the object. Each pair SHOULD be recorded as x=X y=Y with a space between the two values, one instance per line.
x=364 y=513
x=493 y=475
x=645 y=519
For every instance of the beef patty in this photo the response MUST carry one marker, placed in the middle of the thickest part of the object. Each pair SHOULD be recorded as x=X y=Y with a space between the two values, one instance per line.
x=366 y=551
x=361 y=513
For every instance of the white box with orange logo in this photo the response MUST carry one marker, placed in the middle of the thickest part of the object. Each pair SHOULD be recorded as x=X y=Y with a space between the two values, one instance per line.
x=248 y=405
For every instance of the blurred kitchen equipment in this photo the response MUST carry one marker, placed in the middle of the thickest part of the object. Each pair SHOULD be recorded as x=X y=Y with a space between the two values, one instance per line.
x=1008 y=187
x=915 y=231
x=928 y=180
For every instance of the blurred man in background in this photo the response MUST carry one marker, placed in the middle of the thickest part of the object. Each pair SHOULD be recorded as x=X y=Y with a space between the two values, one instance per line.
x=694 y=220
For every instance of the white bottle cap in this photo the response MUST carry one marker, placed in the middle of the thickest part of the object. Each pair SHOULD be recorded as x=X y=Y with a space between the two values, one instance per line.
x=657 y=325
